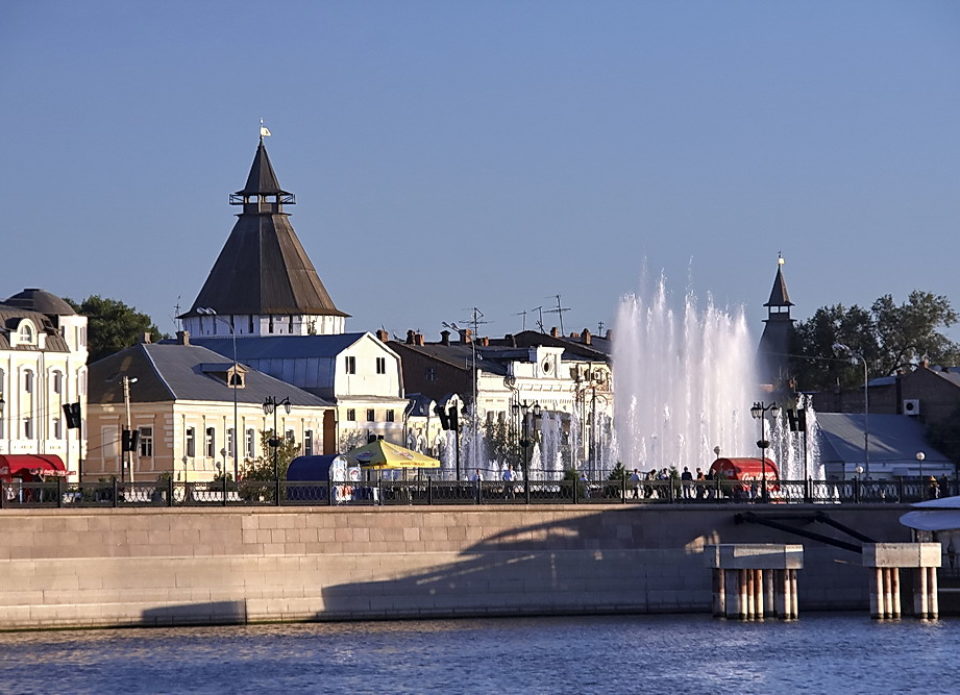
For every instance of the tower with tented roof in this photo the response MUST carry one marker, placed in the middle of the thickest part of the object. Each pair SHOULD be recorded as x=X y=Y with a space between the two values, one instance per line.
x=263 y=283
x=777 y=337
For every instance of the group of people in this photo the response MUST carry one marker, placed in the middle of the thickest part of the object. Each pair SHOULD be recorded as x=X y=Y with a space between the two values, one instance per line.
x=656 y=484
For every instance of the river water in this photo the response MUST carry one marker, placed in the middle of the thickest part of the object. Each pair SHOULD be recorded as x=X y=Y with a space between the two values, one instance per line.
x=843 y=653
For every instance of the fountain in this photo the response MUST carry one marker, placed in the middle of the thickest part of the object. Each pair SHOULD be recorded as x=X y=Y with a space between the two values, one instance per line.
x=685 y=381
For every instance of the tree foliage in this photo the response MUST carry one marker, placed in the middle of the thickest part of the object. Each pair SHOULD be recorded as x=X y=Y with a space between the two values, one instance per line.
x=503 y=444
x=888 y=336
x=112 y=325
x=261 y=468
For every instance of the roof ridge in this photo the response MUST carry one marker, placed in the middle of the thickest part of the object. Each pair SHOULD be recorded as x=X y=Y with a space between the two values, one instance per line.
x=156 y=369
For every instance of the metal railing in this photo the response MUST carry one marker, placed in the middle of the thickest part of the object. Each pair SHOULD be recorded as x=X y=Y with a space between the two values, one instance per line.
x=430 y=491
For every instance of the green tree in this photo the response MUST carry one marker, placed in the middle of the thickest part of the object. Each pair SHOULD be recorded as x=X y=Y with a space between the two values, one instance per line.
x=261 y=468
x=503 y=444
x=112 y=325
x=888 y=335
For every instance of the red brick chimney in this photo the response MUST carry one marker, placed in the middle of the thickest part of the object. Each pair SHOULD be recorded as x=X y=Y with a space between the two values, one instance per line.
x=382 y=335
x=586 y=338
x=466 y=336
x=554 y=333
x=485 y=342
x=183 y=337
x=418 y=339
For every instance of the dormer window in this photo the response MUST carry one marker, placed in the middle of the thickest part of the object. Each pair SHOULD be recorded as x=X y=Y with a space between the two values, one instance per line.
x=26 y=334
x=235 y=378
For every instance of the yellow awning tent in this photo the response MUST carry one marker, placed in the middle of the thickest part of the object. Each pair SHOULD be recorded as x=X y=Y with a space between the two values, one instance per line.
x=382 y=454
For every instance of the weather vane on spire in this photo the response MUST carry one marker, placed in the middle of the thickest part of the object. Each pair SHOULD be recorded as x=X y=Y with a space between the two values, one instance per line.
x=264 y=131
x=780 y=260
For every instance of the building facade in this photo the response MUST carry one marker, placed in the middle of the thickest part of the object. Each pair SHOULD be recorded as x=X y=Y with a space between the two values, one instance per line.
x=43 y=367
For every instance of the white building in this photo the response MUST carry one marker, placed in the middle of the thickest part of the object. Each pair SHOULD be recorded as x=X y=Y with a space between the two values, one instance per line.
x=43 y=358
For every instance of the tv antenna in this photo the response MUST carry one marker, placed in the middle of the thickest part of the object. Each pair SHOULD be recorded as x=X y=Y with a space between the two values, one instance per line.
x=523 y=323
x=539 y=310
x=559 y=310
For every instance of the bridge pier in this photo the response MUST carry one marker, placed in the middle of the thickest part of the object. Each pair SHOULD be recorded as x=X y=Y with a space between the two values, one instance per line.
x=753 y=580
x=886 y=560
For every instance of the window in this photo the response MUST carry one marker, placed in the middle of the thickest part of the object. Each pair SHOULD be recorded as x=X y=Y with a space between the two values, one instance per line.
x=351 y=364
x=381 y=365
x=210 y=443
x=26 y=333
x=28 y=381
x=57 y=428
x=290 y=437
x=58 y=382
x=308 y=443
x=191 y=442
x=290 y=325
x=270 y=326
x=251 y=444
x=231 y=443
x=351 y=415
x=490 y=418
x=430 y=374
x=371 y=415
x=390 y=416
x=28 y=428
x=146 y=441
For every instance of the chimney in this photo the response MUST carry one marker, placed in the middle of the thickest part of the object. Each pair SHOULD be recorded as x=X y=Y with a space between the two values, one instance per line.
x=925 y=363
x=183 y=337
x=410 y=340
x=444 y=337
x=146 y=339
x=609 y=335
x=586 y=338
x=510 y=339
x=418 y=339
x=466 y=336
x=484 y=342
x=554 y=333
x=382 y=335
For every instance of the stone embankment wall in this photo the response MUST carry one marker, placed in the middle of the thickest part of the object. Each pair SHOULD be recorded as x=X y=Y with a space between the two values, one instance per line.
x=163 y=566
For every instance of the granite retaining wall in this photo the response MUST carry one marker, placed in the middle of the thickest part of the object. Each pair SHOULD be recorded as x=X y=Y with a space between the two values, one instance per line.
x=64 y=568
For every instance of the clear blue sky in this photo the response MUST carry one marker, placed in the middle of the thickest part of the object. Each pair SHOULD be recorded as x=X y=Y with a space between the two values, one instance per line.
x=455 y=154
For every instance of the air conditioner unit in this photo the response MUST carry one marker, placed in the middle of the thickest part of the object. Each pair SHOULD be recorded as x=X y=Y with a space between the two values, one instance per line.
x=911 y=406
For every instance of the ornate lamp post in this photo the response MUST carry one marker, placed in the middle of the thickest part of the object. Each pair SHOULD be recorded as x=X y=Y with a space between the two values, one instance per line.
x=759 y=412
x=270 y=406
x=525 y=410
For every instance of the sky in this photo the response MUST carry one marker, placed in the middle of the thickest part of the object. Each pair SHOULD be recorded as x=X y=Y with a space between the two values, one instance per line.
x=453 y=154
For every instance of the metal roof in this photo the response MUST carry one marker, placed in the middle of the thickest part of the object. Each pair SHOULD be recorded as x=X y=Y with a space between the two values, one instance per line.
x=893 y=439
x=281 y=347
x=41 y=301
x=779 y=295
x=167 y=372
x=262 y=180
x=10 y=317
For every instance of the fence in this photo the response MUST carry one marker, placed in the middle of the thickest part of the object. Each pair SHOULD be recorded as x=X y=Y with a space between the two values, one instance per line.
x=168 y=493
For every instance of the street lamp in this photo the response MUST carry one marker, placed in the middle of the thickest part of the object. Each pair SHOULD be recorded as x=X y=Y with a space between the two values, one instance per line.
x=524 y=410
x=759 y=412
x=233 y=382
x=920 y=457
x=270 y=406
x=854 y=356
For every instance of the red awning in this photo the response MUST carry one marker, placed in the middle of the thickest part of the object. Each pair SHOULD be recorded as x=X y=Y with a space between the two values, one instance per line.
x=31 y=464
x=745 y=468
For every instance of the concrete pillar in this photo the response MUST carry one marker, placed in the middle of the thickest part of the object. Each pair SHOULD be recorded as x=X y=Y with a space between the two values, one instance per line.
x=757 y=580
x=769 y=604
x=887 y=559
x=719 y=594
x=794 y=612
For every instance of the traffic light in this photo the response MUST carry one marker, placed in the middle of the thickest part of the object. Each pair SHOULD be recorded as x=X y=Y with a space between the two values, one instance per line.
x=448 y=418
x=71 y=411
x=130 y=439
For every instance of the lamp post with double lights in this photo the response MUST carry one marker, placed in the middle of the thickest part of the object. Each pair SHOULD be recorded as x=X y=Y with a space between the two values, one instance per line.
x=234 y=383
x=525 y=411
x=854 y=358
x=270 y=406
x=759 y=412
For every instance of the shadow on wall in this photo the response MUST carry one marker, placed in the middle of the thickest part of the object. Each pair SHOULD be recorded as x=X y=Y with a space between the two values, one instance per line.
x=211 y=613
x=619 y=561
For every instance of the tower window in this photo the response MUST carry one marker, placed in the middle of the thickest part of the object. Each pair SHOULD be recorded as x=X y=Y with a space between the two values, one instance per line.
x=381 y=365
x=351 y=364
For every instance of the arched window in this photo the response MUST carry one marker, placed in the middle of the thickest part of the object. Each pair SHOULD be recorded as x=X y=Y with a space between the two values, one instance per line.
x=26 y=332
